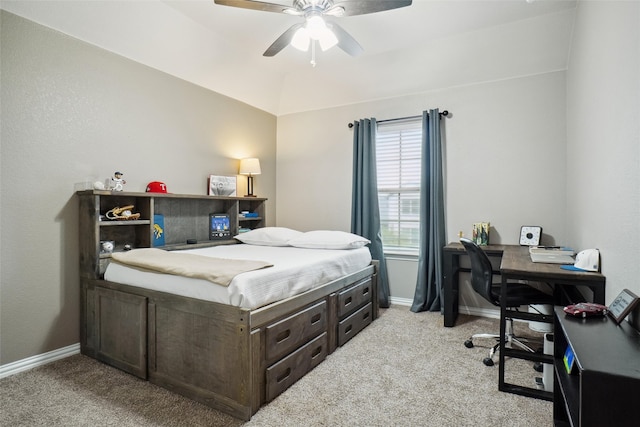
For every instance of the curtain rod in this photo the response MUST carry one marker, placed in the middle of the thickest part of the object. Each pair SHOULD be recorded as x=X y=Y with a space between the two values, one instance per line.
x=444 y=113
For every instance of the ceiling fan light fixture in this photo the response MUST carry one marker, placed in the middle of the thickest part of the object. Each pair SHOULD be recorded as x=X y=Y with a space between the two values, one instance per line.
x=326 y=34
x=301 y=39
x=327 y=40
x=316 y=27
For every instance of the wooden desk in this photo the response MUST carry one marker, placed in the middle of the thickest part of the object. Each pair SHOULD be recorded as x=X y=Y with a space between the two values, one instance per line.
x=450 y=284
x=516 y=264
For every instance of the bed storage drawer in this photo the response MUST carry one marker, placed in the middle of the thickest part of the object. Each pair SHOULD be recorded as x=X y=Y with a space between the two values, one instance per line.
x=288 y=334
x=284 y=373
x=353 y=324
x=353 y=297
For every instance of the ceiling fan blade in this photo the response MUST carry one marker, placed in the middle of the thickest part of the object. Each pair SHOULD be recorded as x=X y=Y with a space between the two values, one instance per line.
x=334 y=11
x=282 y=41
x=253 y=5
x=362 y=7
x=345 y=41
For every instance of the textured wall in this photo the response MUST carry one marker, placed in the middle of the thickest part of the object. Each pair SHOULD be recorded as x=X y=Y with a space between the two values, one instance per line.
x=603 y=139
x=72 y=111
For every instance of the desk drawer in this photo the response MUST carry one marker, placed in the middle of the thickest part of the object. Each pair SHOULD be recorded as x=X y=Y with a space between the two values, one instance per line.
x=289 y=333
x=284 y=373
x=353 y=324
x=353 y=297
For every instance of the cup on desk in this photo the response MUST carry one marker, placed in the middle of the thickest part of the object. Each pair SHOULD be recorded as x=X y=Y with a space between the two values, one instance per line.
x=480 y=233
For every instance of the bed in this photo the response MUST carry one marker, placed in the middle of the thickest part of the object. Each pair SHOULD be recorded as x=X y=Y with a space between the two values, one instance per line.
x=233 y=347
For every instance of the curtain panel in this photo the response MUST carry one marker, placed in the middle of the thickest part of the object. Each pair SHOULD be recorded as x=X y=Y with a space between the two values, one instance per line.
x=365 y=212
x=428 y=291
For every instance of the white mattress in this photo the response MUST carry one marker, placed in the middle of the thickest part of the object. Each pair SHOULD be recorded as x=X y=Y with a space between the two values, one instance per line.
x=294 y=271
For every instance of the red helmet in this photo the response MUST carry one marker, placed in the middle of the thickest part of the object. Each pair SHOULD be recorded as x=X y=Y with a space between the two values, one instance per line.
x=156 y=187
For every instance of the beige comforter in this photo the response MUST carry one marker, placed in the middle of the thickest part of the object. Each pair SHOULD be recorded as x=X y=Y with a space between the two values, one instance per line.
x=217 y=270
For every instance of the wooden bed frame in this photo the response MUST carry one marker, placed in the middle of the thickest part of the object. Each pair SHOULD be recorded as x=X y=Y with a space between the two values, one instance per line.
x=229 y=358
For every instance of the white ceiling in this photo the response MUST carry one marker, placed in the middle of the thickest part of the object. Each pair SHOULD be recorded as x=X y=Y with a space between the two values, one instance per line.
x=429 y=45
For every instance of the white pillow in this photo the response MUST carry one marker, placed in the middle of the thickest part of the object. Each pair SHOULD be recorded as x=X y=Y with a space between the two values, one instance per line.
x=326 y=239
x=268 y=236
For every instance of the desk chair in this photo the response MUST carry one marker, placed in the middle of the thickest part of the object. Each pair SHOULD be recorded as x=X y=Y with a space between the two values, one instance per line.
x=519 y=294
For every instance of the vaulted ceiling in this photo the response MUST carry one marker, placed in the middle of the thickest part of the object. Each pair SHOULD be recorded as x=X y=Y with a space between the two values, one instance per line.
x=429 y=45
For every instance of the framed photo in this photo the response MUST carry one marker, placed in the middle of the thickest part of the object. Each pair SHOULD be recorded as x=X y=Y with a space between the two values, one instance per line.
x=219 y=227
x=622 y=305
x=222 y=185
x=480 y=233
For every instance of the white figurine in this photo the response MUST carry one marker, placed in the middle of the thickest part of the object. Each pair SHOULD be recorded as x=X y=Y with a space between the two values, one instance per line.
x=117 y=183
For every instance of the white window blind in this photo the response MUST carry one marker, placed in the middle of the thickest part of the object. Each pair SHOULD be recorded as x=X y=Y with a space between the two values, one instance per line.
x=398 y=155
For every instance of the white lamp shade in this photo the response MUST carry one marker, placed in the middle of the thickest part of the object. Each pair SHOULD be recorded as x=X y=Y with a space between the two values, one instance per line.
x=301 y=39
x=327 y=40
x=316 y=26
x=250 y=167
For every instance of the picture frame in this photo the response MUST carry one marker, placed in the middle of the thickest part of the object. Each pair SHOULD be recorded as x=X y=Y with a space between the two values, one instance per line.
x=219 y=226
x=622 y=305
x=220 y=185
x=480 y=233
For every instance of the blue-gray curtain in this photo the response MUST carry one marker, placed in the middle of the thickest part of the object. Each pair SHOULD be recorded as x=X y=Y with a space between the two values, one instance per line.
x=428 y=291
x=365 y=213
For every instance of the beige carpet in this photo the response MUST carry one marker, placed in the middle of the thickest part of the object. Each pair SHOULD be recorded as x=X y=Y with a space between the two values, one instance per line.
x=405 y=369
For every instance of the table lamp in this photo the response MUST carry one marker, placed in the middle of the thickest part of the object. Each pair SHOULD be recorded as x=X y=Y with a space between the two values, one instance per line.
x=250 y=167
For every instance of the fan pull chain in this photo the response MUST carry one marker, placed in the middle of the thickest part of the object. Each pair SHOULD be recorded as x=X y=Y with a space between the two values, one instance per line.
x=313 y=53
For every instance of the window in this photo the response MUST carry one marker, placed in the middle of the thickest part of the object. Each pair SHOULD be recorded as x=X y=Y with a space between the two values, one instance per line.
x=398 y=154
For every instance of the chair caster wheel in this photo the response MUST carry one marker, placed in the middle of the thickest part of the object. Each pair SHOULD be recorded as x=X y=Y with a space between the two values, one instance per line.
x=538 y=367
x=488 y=361
x=468 y=344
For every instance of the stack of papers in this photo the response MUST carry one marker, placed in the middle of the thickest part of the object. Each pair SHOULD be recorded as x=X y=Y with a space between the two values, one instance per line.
x=552 y=254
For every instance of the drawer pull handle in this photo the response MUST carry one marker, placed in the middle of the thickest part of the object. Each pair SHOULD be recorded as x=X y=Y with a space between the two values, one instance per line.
x=315 y=319
x=347 y=301
x=284 y=376
x=348 y=329
x=317 y=352
x=365 y=291
x=366 y=316
x=283 y=336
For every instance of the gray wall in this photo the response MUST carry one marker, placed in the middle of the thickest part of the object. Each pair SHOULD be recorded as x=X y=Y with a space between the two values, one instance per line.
x=72 y=111
x=603 y=139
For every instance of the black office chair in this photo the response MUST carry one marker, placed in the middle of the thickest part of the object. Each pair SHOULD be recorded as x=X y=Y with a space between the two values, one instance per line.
x=519 y=294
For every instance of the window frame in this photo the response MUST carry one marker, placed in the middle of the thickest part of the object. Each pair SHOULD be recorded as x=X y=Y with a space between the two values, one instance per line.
x=405 y=137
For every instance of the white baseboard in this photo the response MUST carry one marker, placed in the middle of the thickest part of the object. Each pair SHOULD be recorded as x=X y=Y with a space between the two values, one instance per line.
x=401 y=301
x=471 y=311
x=480 y=312
x=38 y=360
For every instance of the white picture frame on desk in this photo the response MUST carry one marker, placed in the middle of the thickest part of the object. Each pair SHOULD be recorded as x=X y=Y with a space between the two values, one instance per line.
x=222 y=185
x=622 y=305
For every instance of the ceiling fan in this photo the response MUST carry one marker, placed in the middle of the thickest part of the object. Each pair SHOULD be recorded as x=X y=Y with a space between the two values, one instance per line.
x=315 y=28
